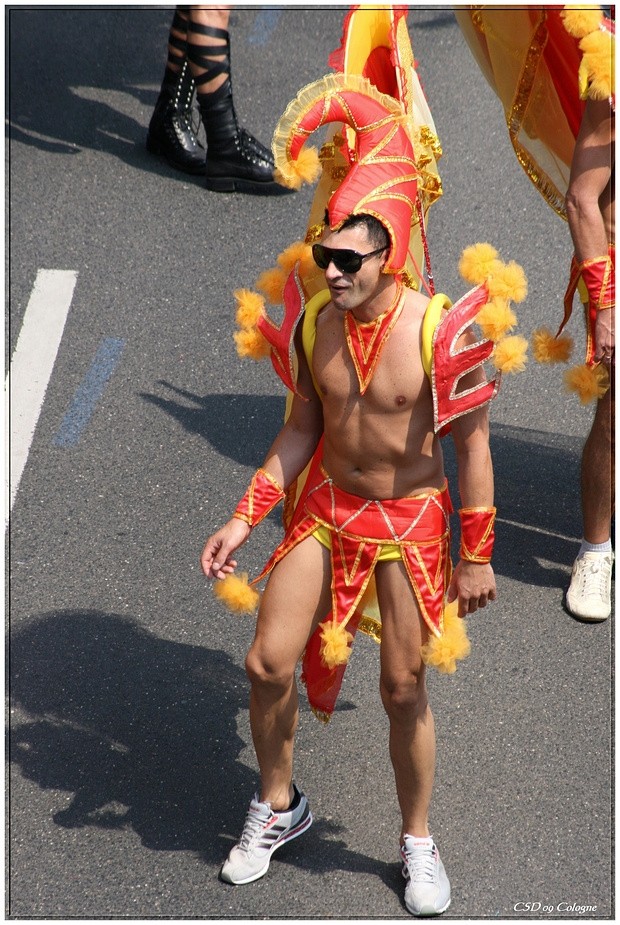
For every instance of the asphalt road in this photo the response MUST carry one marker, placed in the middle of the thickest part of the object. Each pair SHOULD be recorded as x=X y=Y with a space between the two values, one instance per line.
x=130 y=753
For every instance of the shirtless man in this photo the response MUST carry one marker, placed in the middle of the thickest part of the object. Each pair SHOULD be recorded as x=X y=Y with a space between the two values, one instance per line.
x=590 y=211
x=377 y=445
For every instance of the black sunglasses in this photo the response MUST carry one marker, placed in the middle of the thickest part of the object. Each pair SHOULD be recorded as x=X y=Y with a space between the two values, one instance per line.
x=344 y=260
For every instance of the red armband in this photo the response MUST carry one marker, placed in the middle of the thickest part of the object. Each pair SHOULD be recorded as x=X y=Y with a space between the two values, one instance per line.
x=477 y=533
x=261 y=497
x=598 y=277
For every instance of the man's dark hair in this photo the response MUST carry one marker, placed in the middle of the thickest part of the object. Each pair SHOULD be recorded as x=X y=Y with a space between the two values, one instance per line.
x=375 y=230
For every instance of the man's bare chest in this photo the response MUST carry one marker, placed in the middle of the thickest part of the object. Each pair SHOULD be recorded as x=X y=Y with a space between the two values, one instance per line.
x=396 y=378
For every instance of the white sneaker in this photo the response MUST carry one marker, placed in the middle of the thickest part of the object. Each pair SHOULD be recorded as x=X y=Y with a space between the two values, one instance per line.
x=589 y=594
x=263 y=833
x=428 y=888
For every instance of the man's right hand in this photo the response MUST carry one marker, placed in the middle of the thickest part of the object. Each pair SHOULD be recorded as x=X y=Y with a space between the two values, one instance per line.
x=216 y=559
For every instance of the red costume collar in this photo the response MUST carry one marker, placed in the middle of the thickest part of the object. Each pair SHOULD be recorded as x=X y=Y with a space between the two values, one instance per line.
x=366 y=340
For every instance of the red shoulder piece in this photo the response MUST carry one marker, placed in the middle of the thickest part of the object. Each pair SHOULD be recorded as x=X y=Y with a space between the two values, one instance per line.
x=281 y=338
x=450 y=365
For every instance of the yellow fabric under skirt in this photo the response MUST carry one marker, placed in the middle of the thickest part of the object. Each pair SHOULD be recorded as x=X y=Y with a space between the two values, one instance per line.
x=389 y=551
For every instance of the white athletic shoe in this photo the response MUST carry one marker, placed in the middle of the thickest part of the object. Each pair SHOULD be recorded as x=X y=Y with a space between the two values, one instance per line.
x=428 y=888
x=589 y=594
x=263 y=833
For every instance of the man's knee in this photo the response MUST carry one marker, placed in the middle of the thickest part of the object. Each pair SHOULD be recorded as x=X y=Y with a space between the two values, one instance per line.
x=266 y=671
x=404 y=696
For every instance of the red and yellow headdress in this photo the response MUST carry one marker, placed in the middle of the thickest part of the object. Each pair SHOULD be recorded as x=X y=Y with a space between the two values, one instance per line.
x=382 y=178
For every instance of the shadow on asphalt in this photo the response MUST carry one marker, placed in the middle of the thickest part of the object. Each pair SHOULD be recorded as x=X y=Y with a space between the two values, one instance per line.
x=142 y=732
x=536 y=476
x=73 y=117
x=239 y=427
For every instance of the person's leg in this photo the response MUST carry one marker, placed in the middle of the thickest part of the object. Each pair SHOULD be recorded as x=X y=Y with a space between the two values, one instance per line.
x=597 y=466
x=589 y=594
x=404 y=696
x=412 y=737
x=236 y=161
x=171 y=133
x=296 y=599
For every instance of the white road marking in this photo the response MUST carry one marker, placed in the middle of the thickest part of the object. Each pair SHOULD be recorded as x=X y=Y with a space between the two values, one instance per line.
x=32 y=364
x=522 y=526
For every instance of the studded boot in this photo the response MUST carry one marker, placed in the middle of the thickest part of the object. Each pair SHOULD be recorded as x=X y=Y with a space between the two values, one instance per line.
x=236 y=161
x=171 y=133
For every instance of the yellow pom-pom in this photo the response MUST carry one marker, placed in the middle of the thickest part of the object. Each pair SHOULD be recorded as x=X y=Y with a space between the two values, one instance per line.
x=588 y=382
x=476 y=262
x=252 y=344
x=509 y=354
x=306 y=169
x=299 y=252
x=250 y=307
x=443 y=652
x=289 y=180
x=308 y=165
x=598 y=63
x=549 y=349
x=581 y=20
x=272 y=283
x=236 y=593
x=335 y=644
x=507 y=281
x=496 y=319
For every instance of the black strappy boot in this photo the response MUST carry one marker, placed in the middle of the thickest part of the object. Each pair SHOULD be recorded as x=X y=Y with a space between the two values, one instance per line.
x=236 y=161
x=170 y=133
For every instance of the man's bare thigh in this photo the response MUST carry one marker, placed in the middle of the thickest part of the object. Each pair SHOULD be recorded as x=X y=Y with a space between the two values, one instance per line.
x=297 y=598
x=403 y=630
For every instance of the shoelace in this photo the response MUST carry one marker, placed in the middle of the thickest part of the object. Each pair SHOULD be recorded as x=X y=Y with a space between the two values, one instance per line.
x=252 y=829
x=593 y=580
x=421 y=864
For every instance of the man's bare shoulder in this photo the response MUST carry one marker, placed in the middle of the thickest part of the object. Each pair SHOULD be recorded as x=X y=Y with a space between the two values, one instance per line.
x=416 y=304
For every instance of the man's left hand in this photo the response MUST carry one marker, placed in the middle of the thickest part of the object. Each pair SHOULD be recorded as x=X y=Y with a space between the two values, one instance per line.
x=473 y=583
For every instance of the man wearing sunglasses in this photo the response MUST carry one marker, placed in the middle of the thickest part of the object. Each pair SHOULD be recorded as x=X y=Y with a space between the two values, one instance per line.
x=379 y=443
x=374 y=504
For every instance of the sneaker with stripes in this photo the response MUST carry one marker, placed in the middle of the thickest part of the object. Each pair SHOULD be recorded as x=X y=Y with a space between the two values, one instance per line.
x=263 y=833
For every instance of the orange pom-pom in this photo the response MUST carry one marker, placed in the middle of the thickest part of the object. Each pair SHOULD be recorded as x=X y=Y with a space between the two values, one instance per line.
x=335 y=644
x=306 y=169
x=250 y=307
x=549 y=349
x=496 y=319
x=299 y=252
x=598 y=64
x=272 y=283
x=251 y=343
x=509 y=354
x=507 y=281
x=588 y=382
x=236 y=593
x=476 y=262
x=443 y=652
x=308 y=165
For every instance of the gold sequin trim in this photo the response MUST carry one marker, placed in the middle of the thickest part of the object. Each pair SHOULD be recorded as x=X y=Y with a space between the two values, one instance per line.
x=314 y=233
x=370 y=627
x=516 y=116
